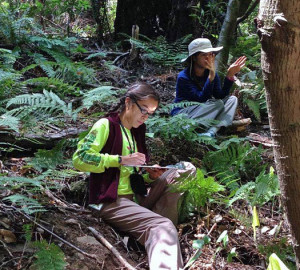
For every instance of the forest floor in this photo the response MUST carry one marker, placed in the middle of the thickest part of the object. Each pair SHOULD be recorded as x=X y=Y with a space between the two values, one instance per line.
x=68 y=217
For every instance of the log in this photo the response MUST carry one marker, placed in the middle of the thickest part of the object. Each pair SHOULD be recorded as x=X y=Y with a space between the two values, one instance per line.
x=113 y=250
x=31 y=142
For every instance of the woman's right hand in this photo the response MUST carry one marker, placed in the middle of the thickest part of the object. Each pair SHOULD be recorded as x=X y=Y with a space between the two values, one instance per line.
x=134 y=159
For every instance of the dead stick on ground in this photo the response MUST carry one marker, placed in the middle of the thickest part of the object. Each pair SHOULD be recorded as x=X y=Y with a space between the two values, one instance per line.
x=55 y=235
x=101 y=238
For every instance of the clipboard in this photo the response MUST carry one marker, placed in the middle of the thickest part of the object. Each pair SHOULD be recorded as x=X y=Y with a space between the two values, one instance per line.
x=151 y=167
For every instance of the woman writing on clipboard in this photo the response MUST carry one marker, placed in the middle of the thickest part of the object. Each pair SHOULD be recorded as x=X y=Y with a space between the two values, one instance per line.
x=117 y=191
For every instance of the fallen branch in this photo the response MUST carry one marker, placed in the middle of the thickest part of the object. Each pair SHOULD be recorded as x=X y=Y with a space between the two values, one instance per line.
x=101 y=238
x=93 y=256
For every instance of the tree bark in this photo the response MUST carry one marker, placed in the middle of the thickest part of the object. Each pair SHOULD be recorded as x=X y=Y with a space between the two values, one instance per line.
x=237 y=11
x=226 y=35
x=279 y=31
x=150 y=16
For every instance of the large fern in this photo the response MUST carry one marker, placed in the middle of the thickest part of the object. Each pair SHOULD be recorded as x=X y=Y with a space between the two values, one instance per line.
x=10 y=122
x=161 y=52
x=178 y=126
x=28 y=205
x=105 y=94
x=55 y=85
x=33 y=104
x=264 y=189
x=49 y=256
x=234 y=162
x=48 y=159
x=198 y=190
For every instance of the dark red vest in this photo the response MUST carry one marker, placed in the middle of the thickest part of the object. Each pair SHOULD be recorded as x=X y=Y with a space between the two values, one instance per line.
x=103 y=187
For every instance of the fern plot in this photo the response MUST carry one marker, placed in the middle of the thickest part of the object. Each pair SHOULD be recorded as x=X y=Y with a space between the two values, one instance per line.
x=160 y=52
x=198 y=191
x=49 y=256
x=258 y=192
x=35 y=104
x=235 y=161
x=104 y=94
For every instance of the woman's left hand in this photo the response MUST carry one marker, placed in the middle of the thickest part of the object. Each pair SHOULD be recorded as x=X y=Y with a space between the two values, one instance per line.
x=236 y=66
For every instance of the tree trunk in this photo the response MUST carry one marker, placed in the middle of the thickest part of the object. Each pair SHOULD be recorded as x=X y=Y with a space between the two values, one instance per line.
x=180 y=23
x=150 y=16
x=279 y=31
x=226 y=35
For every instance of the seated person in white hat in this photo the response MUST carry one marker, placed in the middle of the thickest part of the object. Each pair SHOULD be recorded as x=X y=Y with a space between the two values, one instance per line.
x=199 y=82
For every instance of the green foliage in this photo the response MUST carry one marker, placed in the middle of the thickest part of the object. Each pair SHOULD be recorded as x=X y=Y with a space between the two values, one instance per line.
x=48 y=159
x=248 y=45
x=208 y=16
x=52 y=84
x=197 y=244
x=10 y=83
x=15 y=27
x=282 y=249
x=49 y=256
x=160 y=52
x=105 y=94
x=28 y=205
x=264 y=189
x=28 y=231
x=10 y=122
x=8 y=57
x=9 y=147
x=245 y=219
x=254 y=94
x=234 y=162
x=178 y=126
x=36 y=104
x=198 y=190
x=98 y=54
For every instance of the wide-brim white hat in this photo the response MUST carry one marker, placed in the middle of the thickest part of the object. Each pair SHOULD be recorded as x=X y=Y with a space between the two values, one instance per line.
x=201 y=45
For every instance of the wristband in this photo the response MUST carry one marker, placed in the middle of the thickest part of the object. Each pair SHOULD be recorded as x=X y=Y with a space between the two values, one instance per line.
x=120 y=159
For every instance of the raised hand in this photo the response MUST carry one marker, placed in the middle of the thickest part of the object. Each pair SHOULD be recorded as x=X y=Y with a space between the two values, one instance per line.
x=210 y=64
x=134 y=159
x=236 y=66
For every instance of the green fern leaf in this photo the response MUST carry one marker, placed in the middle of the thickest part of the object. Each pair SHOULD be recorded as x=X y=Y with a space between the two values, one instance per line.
x=49 y=257
x=28 y=205
x=10 y=122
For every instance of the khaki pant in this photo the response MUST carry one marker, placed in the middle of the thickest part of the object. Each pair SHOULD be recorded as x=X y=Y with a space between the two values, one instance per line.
x=150 y=222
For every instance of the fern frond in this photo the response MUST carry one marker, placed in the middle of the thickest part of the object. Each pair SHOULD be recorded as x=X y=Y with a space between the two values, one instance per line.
x=33 y=103
x=28 y=205
x=48 y=159
x=53 y=84
x=103 y=94
x=198 y=190
x=98 y=54
x=160 y=51
x=169 y=107
x=16 y=182
x=49 y=257
x=254 y=106
x=10 y=122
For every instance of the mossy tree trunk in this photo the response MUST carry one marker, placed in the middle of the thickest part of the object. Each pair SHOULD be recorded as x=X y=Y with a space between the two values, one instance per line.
x=279 y=31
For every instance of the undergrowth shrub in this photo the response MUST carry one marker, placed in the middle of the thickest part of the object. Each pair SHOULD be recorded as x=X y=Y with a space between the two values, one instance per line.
x=198 y=191
x=264 y=189
x=235 y=163
x=160 y=52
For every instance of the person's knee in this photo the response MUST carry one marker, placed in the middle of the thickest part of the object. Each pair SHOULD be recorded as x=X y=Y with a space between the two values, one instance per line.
x=219 y=104
x=164 y=229
x=233 y=100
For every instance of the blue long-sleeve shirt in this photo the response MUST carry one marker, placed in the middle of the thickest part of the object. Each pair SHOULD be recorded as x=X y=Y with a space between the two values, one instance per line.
x=200 y=89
